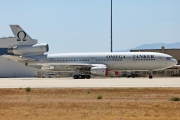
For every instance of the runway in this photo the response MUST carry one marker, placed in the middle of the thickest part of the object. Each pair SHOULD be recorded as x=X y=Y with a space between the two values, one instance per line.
x=88 y=83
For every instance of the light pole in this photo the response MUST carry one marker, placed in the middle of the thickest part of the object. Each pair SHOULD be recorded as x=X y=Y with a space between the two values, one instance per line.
x=111 y=27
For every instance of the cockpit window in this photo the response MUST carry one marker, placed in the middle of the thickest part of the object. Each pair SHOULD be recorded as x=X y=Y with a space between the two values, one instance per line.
x=168 y=58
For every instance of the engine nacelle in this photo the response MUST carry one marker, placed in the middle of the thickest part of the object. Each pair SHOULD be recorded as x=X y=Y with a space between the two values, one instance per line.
x=29 y=49
x=100 y=71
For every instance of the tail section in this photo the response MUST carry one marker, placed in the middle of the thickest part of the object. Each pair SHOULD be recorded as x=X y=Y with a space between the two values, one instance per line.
x=21 y=36
x=25 y=44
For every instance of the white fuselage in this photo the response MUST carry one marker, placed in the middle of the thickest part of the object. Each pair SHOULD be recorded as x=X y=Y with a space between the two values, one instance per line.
x=130 y=61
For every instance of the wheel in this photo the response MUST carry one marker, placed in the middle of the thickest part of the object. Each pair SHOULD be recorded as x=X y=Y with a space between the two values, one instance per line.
x=43 y=76
x=128 y=76
x=79 y=76
x=150 y=76
x=82 y=77
x=88 y=76
x=76 y=76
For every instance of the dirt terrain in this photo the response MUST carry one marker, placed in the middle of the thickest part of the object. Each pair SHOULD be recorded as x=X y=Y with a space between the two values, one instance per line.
x=65 y=103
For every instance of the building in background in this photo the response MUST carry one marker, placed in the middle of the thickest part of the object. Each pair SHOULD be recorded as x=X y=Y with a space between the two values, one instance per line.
x=10 y=68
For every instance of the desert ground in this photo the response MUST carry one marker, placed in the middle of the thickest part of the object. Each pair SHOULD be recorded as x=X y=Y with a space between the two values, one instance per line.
x=89 y=103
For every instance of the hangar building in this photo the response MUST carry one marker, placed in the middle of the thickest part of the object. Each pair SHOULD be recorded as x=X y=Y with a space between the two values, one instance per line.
x=10 y=68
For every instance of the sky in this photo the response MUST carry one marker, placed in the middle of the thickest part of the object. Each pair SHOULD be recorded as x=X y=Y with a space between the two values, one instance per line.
x=70 y=26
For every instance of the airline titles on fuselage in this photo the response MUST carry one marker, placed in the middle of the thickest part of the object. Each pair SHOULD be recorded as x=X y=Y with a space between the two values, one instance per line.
x=108 y=57
x=115 y=56
x=143 y=56
x=123 y=56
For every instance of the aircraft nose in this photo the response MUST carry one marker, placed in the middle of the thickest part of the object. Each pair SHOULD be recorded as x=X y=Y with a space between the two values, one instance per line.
x=174 y=62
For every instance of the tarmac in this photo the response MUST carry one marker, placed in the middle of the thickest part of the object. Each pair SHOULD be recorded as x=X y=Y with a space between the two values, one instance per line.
x=89 y=83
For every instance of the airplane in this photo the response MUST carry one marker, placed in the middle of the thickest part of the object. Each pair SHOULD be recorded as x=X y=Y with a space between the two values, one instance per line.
x=30 y=53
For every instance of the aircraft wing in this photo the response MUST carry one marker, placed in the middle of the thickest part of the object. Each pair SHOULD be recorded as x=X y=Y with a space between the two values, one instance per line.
x=53 y=66
x=18 y=58
x=66 y=66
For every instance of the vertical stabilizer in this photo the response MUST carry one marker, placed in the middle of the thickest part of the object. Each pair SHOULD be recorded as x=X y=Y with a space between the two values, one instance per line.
x=21 y=36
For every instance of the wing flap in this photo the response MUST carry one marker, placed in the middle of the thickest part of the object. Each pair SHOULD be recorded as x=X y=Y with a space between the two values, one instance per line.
x=62 y=66
x=65 y=66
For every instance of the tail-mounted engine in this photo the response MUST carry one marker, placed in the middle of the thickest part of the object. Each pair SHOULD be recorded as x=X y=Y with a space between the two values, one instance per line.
x=29 y=49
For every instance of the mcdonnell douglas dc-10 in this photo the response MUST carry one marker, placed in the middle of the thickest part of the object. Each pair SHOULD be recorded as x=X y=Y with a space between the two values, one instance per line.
x=30 y=53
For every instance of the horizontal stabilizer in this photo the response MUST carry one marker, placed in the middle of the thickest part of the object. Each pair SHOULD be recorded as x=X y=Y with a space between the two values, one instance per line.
x=18 y=58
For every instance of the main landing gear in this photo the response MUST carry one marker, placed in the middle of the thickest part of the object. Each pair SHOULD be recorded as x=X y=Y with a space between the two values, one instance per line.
x=81 y=76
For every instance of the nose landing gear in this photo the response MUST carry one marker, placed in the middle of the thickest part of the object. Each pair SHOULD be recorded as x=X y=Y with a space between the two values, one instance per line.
x=150 y=75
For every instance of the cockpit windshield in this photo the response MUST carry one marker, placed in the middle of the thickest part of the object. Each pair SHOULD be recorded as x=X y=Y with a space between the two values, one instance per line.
x=168 y=58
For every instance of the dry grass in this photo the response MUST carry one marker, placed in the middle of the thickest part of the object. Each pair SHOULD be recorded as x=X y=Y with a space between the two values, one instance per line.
x=117 y=103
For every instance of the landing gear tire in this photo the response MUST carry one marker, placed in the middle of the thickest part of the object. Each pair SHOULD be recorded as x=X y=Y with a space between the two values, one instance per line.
x=128 y=76
x=133 y=76
x=76 y=76
x=150 y=76
x=81 y=76
x=88 y=76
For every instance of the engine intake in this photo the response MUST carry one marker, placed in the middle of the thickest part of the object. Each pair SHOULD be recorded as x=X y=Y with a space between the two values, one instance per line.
x=29 y=49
